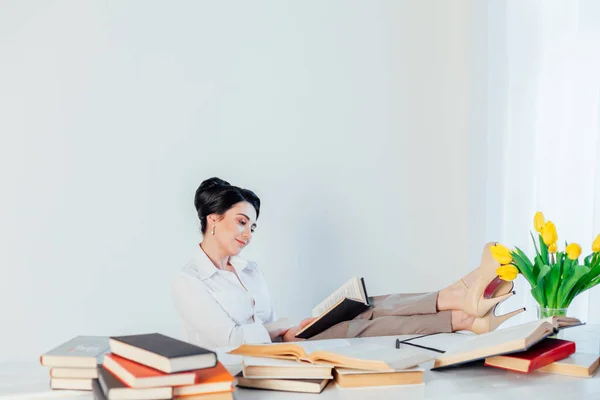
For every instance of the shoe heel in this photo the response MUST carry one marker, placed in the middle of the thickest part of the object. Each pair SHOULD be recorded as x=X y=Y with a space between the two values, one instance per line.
x=476 y=304
x=500 y=319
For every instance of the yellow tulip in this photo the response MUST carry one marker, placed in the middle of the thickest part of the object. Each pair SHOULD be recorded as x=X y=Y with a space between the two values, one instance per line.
x=552 y=248
x=596 y=244
x=501 y=253
x=538 y=221
x=507 y=272
x=573 y=251
x=549 y=234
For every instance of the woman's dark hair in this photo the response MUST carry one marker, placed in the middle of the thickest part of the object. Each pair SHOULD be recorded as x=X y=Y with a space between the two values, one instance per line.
x=215 y=196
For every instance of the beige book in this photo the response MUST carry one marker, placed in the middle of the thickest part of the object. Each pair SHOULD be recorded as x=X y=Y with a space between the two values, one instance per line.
x=503 y=341
x=71 y=384
x=208 y=396
x=360 y=356
x=351 y=378
x=578 y=364
x=76 y=373
x=284 y=385
x=273 y=368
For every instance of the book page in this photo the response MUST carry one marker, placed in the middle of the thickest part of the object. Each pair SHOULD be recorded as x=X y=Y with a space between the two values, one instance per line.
x=439 y=341
x=396 y=359
x=314 y=345
x=495 y=338
x=277 y=362
x=350 y=289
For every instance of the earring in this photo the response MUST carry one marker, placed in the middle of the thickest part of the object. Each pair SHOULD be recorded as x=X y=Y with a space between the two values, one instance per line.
x=212 y=232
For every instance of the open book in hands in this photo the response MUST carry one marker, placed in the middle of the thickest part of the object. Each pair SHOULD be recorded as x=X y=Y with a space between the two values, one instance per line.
x=340 y=353
x=344 y=304
x=503 y=341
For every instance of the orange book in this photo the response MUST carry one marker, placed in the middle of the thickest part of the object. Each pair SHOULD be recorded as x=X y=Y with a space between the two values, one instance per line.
x=209 y=380
x=539 y=355
x=136 y=375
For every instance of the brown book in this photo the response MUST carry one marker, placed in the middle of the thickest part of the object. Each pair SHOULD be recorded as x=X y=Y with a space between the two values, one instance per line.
x=273 y=368
x=503 y=341
x=578 y=364
x=347 y=302
x=351 y=378
x=284 y=385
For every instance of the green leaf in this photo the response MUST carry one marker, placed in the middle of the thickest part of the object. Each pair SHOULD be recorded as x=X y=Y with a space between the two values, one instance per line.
x=553 y=280
x=564 y=292
x=537 y=252
x=593 y=274
x=524 y=265
x=587 y=260
x=543 y=250
x=543 y=272
x=591 y=284
x=567 y=270
x=539 y=295
x=537 y=266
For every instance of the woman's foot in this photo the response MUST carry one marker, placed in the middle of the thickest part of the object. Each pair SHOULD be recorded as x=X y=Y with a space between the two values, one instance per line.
x=461 y=321
x=477 y=292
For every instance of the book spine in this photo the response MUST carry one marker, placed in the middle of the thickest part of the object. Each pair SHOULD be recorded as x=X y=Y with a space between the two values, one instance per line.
x=552 y=355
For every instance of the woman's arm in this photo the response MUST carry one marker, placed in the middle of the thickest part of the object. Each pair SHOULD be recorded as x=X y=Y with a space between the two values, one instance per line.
x=212 y=326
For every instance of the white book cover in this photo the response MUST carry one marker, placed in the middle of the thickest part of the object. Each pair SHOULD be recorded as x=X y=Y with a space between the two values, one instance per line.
x=80 y=351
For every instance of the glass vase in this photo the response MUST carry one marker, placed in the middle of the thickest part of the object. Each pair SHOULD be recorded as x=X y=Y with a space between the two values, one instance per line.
x=546 y=312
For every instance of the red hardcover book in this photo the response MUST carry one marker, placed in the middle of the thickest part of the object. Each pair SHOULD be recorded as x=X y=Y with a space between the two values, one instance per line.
x=539 y=355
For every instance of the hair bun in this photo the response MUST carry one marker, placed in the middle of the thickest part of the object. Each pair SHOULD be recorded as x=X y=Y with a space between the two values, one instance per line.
x=212 y=183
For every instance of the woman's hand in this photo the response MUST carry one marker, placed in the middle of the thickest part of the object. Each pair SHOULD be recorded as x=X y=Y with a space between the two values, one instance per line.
x=290 y=335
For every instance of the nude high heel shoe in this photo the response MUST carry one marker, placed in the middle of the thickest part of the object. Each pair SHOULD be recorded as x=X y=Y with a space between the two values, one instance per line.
x=492 y=321
x=479 y=299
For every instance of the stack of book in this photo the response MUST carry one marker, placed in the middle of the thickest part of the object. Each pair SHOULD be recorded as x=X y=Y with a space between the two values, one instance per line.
x=155 y=366
x=73 y=364
x=522 y=348
x=310 y=366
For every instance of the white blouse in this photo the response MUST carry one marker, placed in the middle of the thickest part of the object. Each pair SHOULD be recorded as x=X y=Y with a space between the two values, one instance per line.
x=216 y=310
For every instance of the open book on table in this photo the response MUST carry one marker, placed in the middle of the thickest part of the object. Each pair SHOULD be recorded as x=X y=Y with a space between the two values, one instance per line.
x=502 y=341
x=347 y=302
x=340 y=353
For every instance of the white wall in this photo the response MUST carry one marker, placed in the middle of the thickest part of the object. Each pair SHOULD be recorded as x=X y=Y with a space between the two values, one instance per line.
x=348 y=119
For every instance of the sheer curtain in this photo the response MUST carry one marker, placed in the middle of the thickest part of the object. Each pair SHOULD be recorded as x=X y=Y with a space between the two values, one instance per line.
x=536 y=91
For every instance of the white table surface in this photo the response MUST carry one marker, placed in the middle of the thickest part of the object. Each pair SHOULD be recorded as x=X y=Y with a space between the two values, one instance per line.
x=30 y=381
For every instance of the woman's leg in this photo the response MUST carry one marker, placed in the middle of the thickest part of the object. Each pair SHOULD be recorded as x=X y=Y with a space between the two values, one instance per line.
x=444 y=321
x=401 y=304
x=400 y=314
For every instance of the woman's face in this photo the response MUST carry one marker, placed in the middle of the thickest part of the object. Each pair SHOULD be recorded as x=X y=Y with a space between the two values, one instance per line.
x=234 y=230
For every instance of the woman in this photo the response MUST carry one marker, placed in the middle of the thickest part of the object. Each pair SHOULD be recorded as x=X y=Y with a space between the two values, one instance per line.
x=224 y=300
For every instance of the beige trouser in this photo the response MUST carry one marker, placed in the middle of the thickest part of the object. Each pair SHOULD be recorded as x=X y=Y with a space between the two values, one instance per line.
x=394 y=314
